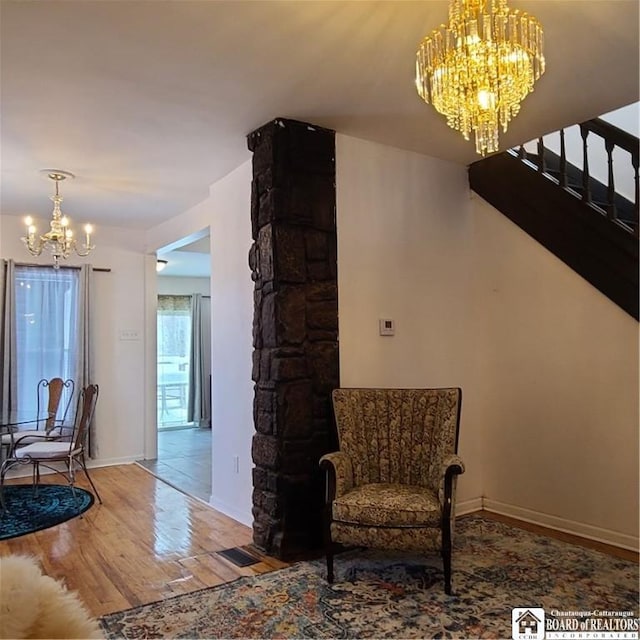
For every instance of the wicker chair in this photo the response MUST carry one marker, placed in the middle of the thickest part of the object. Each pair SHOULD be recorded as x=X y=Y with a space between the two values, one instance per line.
x=392 y=483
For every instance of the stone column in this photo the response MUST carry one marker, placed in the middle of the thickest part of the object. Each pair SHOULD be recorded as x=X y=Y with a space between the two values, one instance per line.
x=295 y=330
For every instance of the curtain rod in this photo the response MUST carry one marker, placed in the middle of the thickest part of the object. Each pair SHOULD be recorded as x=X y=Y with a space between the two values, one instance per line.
x=182 y=294
x=62 y=266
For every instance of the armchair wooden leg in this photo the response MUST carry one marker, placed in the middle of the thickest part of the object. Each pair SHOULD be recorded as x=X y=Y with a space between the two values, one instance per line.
x=446 y=556
x=328 y=543
x=330 y=566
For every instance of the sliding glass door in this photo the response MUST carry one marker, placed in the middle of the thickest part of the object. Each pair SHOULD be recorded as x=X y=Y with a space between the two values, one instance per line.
x=174 y=353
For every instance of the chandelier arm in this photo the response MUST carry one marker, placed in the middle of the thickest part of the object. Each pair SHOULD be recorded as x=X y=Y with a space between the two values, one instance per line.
x=85 y=251
x=34 y=250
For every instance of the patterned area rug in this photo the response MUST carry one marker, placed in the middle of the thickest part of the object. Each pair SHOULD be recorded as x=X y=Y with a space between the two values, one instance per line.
x=26 y=513
x=378 y=595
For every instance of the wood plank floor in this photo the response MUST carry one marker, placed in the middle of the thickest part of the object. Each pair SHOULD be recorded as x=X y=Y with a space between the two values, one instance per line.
x=148 y=542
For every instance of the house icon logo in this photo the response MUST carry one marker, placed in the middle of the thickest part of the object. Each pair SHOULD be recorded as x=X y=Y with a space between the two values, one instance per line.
x=527 y=624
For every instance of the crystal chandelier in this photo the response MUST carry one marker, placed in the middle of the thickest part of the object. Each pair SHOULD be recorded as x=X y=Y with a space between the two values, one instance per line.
x=59 y=239
x=478 y=68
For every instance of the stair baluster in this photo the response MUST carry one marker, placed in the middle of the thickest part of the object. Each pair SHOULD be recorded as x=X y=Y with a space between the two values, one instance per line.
x=586 y=185
x=541 y=164
x=563 y=162
x=611 y=191
x=636 y=228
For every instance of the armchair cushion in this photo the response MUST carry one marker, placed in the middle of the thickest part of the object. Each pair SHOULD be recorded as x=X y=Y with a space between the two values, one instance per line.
x=388 y=505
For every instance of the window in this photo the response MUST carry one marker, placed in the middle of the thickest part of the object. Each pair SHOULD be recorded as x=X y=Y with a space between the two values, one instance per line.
x=46 y=326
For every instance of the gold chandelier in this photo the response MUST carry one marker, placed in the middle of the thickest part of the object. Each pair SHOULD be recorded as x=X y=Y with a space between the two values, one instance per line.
x=478 y=68
x=59 y=239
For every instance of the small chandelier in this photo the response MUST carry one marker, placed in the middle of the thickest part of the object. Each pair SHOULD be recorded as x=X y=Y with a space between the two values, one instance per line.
x=477 y=69
x=59 y=239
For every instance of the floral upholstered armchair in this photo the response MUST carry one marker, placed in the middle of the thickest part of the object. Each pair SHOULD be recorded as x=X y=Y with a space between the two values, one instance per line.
x=392 y=483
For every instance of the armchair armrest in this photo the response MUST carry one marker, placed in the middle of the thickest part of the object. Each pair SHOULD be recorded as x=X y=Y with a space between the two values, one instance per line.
x=339 y=474
x=450 y=461
x=452 y=466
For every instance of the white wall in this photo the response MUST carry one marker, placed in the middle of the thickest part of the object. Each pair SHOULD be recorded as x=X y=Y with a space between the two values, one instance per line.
x=548 y=365
x=182 y=286
x=559 y=383
x=227 y=214
x=119 y=304
x=404 y=252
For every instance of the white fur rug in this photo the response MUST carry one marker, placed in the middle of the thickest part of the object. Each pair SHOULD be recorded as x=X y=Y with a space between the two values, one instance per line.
x=34 y=605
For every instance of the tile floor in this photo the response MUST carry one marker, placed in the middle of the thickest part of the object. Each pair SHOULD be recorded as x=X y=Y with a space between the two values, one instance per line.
x=184 y=460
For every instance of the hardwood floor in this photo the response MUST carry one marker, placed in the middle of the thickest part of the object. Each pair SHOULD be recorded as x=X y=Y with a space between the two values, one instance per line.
x=148 y=542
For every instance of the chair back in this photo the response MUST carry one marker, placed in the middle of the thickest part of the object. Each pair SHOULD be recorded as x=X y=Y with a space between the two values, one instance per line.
x=398 y=435
x=54 y=389
x=87 y=401
x=69 y=389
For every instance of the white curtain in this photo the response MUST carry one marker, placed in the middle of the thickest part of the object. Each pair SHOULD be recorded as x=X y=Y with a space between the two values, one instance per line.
x=46 y=328
x=44 y=332
x=199 y=401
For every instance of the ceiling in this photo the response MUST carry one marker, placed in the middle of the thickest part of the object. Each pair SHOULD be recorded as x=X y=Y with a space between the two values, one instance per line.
x=149 y=102
x=190 y=260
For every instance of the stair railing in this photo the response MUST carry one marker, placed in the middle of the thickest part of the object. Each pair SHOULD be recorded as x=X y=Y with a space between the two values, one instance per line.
x=565 y=174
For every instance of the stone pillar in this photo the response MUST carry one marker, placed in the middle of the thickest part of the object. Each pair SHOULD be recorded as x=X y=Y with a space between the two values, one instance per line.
x=295 y=330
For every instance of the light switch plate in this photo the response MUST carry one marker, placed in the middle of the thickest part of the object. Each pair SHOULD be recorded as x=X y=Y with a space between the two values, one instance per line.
x=129 y=334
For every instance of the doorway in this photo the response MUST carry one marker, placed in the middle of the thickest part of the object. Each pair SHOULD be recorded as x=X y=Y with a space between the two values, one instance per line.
x=174 y=361
x=183 y=356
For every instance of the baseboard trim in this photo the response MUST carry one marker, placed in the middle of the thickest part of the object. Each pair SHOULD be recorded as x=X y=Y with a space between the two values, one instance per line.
x=581 y=529
x=236 y=514
x=111 y=462
x=468 y=506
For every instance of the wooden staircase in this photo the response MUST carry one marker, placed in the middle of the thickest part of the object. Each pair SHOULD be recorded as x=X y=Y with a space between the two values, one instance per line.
x=585 y=223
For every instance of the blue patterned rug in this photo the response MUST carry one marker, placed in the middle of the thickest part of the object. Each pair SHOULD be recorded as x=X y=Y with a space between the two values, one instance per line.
x=379 y=595
x=26 y=513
